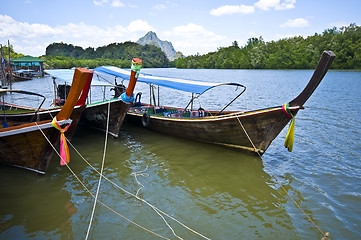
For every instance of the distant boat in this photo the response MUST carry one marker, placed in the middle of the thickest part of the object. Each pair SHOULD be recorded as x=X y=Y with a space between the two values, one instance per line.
x=23 y=75
x=250 y=131
x=23 y=144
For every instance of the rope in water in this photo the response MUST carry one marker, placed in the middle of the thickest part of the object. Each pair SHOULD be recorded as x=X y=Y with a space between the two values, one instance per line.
x=100 y=177
x=326 y=235
x=93 y=194
x=140 y=199
x=141 y=173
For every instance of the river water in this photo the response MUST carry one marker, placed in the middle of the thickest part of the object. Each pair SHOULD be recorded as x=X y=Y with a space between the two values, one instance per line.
x=216 y=192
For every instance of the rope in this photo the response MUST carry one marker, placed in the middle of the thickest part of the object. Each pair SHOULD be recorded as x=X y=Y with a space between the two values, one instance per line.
x=158 y=211
x=140 y=199
x=100 y=177
x=93 y=194
x=326 y=235
x=141 y=173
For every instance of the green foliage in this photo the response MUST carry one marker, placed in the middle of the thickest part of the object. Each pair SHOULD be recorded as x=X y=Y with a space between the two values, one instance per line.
x=289 y=53
x=5 y=52
x=62 y=55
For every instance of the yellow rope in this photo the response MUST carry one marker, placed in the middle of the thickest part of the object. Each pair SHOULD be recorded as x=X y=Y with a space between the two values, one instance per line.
x=326 y=235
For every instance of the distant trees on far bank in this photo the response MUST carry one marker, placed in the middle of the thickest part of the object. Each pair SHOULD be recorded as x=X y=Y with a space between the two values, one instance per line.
x=291 y=53
x=62 y=55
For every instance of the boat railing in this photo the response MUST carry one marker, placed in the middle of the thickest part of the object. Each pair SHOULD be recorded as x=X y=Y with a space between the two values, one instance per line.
x=21 y=92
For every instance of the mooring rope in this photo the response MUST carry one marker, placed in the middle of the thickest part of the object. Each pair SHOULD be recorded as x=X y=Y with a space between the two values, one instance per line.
x=134 y=223
x=141 y=173
x=325 y=235
x=158 y=211
x=102 y=169
x=140 y=199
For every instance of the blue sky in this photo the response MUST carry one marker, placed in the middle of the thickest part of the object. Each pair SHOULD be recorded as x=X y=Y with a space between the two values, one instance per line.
x=198 y=26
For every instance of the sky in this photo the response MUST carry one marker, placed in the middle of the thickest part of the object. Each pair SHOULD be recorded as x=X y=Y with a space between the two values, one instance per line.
x=193 y=26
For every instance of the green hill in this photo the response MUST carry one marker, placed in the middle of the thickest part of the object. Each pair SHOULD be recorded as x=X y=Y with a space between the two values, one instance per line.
x=118 y=54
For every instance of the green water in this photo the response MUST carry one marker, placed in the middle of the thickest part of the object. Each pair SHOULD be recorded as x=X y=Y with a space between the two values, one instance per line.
x=219 y=193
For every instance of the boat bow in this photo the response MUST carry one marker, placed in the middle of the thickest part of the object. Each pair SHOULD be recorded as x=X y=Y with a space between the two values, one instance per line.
x=320 y=71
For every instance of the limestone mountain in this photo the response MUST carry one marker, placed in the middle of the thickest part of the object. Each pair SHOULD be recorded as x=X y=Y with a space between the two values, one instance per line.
x=166 y=46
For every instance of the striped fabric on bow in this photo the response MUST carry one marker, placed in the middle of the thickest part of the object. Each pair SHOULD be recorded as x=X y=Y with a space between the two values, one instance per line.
x=64 y=150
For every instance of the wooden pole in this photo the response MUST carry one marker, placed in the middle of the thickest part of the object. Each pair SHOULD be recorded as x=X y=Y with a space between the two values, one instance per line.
x=10 y=70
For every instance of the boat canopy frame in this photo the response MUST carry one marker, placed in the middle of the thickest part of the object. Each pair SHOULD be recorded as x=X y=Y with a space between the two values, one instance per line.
x=196 y=87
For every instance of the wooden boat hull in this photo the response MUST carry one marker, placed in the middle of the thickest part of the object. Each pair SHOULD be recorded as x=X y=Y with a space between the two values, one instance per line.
x=252 y=131
x=20 y=115
x=262 y=127
x=93 y=116
x=18 y=78
x=37 y=153
x=96 y=115
x=24 y=144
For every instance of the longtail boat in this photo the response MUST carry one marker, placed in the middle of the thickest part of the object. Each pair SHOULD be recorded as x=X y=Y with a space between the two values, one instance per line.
x=252 y=131
x=95 y=114
x=24 y=145
x=22 y=114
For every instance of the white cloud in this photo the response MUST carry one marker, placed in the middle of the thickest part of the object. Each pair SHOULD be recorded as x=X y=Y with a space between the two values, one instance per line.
x=117 y=3
x=160 y=7
x=100 y=2
x=231 y=9
x=33 y=38
x=193 y=38
x=10 y=28
x=264 y=5
x=113 y=3
x=139 y=26
x=293 y=23
x=275 y=4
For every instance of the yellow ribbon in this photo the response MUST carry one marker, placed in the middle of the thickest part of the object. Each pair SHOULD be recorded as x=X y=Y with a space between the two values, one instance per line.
x=291 y=131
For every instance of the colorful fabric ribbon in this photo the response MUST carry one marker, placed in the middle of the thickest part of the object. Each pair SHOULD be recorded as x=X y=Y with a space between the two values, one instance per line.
x=64 y=150
x=136 y=66
x=291 y=131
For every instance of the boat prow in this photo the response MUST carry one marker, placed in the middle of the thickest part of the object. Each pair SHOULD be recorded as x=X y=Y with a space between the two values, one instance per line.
x=29 y=145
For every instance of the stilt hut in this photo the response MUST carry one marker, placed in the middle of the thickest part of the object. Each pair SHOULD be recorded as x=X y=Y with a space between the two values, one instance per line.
x=29 y=63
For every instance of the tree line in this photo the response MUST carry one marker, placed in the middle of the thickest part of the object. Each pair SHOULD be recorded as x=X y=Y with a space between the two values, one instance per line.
x=290 y=53
x=62 y=55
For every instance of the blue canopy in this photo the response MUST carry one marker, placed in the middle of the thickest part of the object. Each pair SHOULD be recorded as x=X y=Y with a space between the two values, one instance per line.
x=66 y=75
x=193 y=86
